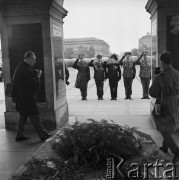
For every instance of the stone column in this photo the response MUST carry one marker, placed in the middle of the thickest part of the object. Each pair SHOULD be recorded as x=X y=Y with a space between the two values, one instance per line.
x=36 y=26
x=165 y=28
x=165 y=31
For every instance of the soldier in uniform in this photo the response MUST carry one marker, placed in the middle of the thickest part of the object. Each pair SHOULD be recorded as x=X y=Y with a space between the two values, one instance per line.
x=83 y=75
x=113 y=72
x=129 y=73
x=145 y=73
x=99 y=75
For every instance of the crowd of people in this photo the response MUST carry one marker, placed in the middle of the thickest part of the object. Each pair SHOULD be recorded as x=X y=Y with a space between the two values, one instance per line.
x=111 y=69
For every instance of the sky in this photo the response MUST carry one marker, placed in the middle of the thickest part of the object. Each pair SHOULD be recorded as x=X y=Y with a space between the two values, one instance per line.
x=118 y=22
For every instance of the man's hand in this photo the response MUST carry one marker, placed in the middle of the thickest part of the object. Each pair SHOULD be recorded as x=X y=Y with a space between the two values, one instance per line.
x=39 y=73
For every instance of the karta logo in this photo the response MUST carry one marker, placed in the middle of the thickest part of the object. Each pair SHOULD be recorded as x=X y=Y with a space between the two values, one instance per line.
x=158 y=170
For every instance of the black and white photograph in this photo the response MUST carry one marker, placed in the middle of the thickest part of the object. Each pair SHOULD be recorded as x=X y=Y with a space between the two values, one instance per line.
x=89 y=89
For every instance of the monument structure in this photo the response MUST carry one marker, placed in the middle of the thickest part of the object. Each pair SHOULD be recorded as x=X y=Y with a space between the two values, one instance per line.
x=165 y=31
x=165 y=28
x=36 y=25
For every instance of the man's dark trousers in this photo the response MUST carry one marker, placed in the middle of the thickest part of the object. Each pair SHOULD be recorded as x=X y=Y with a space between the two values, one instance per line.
x=35 y=120
x=99 y=87
x=145 y=86
x=113 y=84
x=168 y=142
x=84 y=91
x=128 y=86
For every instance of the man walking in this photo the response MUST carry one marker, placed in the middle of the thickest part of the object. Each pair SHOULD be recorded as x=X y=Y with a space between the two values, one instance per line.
x=166 y=89
x=26 y=81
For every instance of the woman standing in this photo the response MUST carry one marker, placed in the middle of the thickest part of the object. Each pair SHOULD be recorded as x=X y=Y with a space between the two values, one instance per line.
x=83 y=75
x=113 y=72
x=128 y=73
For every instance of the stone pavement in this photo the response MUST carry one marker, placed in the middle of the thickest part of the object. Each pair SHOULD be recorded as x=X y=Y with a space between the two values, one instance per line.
x=134 y=113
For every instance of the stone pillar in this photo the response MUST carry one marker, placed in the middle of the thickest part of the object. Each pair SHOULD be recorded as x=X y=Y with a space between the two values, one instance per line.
x=165 y=28
x=36 y=26
x=165 y=31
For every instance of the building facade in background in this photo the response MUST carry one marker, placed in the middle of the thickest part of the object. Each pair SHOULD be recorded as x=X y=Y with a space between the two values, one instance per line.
x=0 y=57
x=87 y=46
x=145 y=42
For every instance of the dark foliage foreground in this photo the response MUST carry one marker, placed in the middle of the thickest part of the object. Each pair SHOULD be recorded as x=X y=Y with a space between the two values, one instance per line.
x=83 y=148
x=89 y=144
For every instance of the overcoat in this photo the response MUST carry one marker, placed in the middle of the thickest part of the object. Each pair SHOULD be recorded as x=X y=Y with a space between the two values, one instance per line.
x=26 y=83
x=113 y=70
x=166 y=87
x=83 y=75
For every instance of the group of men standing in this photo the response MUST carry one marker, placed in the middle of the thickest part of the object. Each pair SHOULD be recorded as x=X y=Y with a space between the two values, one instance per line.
x=111 y=69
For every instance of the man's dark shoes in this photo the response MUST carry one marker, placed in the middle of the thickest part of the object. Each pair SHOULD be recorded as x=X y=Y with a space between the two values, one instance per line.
x=176 y=158
x=146 y=97
x=126 y=98
x=46 y=137
x=130 y=98
x=23 y=138
x=164 y=149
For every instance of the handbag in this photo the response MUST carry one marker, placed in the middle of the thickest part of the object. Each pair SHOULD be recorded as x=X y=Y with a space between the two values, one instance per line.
x=10 y=88
x=9 y=92
x=156 y=112
x=157 y=106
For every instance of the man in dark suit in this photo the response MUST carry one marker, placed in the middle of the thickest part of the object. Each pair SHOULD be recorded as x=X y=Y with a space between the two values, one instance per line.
x=99 y=75
x=26 y=81
x=113 y=72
